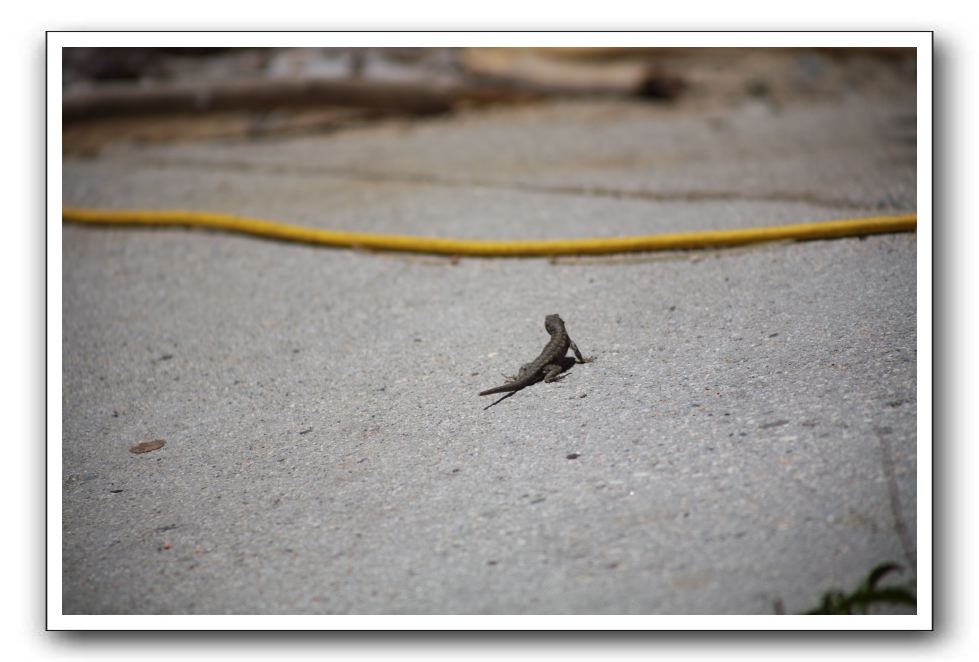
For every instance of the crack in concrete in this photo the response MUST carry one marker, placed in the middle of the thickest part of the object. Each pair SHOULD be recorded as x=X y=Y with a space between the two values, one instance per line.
x=900 y=527
x=429 y=179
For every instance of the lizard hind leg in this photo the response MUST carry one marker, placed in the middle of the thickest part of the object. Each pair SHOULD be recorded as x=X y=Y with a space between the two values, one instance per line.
x=525 y=370
x=552 y=372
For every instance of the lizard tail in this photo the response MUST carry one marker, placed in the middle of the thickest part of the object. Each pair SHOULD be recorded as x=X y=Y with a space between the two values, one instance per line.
x=498 y=389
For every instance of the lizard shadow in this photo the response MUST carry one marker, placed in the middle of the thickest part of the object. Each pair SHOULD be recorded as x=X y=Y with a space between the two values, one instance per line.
x=565 y=363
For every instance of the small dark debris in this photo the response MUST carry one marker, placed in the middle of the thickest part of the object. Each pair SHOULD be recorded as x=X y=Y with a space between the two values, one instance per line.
x=491 y=562
x=662 y=86
x=306 y=431
x=147 y=446
x=165 y=357
x=774 y=424
x=573 y=456
x=758 y=88
x=115 y=414
x=115 y=491
x=898 y=402
x=583 y=395
x=456 y=470
x=672 y=308
x=538 y=500
x=772 y=335
x=168 y=527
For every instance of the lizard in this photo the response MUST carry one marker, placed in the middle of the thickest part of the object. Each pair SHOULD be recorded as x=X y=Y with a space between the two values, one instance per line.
x=549 y=364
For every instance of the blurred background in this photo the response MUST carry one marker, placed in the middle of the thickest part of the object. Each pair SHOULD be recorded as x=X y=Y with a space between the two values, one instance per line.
x=163 y=94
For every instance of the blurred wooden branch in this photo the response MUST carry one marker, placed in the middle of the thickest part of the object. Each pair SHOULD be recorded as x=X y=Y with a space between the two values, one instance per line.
x=123 y=100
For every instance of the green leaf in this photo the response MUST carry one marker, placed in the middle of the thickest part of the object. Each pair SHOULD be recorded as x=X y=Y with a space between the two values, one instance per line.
x=867 y=594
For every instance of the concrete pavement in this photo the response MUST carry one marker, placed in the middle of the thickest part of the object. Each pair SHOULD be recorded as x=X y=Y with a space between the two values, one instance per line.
x=746 y=434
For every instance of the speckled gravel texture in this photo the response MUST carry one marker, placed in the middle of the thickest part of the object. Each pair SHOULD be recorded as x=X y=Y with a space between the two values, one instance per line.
x=746 y=434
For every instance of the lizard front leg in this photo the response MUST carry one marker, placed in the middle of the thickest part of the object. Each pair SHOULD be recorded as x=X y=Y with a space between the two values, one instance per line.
x=581 y=359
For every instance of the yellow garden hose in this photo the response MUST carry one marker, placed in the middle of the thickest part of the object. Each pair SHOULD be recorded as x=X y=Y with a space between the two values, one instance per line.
x=673 y=241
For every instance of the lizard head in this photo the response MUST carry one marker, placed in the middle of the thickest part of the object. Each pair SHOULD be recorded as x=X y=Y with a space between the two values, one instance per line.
x=552 y=323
